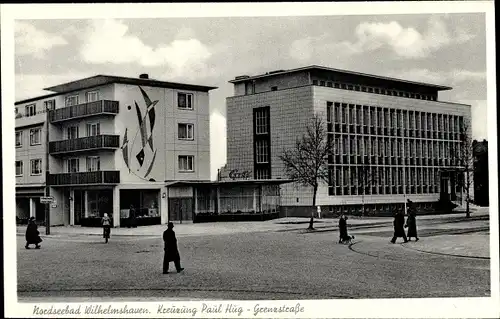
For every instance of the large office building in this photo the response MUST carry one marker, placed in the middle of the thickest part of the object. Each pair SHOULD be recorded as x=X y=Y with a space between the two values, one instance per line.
x=113 y=142
x=393 y=139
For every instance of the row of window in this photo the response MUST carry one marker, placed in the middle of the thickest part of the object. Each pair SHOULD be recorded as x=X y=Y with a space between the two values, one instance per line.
x=356 y=145
x=186 y=164
x=380 y=117
x=184 y=101
x=93 y=163
x=35 y=165
x=185 y=132
x=35 y=137
x=376 y=90
x=366 y=180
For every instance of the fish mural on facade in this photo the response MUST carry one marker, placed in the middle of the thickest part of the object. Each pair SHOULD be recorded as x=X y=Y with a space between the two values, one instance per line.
x=140 y=153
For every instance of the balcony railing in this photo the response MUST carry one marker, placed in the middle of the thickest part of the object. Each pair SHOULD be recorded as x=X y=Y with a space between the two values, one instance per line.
x=83 y=110
x=84 y=144
x=85 y=178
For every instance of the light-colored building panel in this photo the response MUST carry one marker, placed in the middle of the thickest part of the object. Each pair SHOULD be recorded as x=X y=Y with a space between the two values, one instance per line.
x=144 y=158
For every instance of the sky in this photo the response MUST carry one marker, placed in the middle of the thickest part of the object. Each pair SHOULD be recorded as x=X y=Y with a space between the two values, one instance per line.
x=447 y=49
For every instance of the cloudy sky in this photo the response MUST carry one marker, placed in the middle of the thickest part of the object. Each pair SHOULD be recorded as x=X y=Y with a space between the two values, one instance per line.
x=448 y=49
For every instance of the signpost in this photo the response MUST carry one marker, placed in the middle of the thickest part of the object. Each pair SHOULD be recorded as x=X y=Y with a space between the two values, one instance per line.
x=46 y=200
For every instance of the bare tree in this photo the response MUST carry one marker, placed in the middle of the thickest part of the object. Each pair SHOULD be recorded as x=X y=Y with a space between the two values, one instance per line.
x=307 y=162
x=365 y=179
x=464 y=159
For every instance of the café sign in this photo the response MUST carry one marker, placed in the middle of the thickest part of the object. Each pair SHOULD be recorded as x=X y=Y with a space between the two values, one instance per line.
x=236 y=174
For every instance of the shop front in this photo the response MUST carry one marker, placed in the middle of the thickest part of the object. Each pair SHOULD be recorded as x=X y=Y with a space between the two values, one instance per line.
x=139 y=207
x=243 y=200
x=28 y=205
x=90 y=205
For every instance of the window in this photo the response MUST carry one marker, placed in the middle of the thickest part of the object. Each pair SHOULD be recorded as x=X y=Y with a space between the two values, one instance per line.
x=261 y=120
x=35 y=136
x=30 y=110
x=93 y=164
x=72 y=100
x=72 y=132
x=49 y=105
x=329 y=84
x=336 y=113
x=19 y=138
x=19 y=168
x=36 y=166
x=263 y=174
x=315 y=82
x=185 y=131
x=93 y=129
x=92 y=96
x=262 y=154
x=329 y=106
x=186 y=163
x=336 y=85
x=185 y=100
x=73 y=165
x=274 y=88
x=322 y=83
x=249 y=88
x=344 y=113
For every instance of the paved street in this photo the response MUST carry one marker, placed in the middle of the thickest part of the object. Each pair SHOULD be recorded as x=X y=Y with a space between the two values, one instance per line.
x=286 y=264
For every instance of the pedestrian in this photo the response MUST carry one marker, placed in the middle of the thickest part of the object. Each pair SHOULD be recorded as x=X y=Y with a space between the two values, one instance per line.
x=106 y=227
x=171 y=251
x=411 y=221
x=344 y=237
x=32 y=234
x=399 y=231
x=132 y=217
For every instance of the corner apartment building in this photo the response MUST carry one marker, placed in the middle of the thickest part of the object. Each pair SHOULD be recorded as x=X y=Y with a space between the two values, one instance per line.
x=396 y=133
x=114 y=142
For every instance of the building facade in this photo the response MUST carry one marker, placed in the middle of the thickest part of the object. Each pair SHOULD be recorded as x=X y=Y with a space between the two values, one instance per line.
x=113 y=144
x=393 y=139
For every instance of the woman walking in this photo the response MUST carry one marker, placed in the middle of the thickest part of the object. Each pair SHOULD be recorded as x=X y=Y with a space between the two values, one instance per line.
x=32 y=234
x=106 y=227
x=411 y=221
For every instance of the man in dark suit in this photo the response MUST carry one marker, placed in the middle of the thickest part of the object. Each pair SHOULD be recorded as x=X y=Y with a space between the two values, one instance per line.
x=171 y=251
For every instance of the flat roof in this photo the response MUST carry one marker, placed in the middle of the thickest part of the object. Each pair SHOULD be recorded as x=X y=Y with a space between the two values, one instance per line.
x=100 y=79
x=228 y=182
x=33 y=99
x=323 y=68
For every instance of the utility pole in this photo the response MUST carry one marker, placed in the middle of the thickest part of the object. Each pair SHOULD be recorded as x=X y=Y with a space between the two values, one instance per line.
x=47 y=187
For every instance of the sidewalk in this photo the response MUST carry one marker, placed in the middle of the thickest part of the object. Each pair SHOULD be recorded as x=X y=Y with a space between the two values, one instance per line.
x=221 y=228
x=470 y=245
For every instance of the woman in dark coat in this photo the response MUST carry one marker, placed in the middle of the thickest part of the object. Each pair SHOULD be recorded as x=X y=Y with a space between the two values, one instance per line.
x=343 y=229
x=411 y=221
x=171 y=251
x=32 y=234
x=399 y=230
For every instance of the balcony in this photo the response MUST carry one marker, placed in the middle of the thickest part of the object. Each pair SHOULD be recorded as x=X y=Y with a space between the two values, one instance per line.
x=85 y=178
x=84 y=110
x=84 y=144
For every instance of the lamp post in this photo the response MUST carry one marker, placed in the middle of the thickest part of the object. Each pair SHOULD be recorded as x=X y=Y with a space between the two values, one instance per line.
x=47 y=187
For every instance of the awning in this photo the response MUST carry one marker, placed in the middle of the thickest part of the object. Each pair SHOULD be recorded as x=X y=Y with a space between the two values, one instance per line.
x=30 y=191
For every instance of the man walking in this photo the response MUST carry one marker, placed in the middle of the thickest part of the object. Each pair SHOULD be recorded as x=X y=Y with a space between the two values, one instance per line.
x=399 y=230
x=171 y=251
